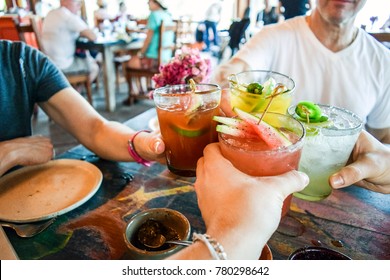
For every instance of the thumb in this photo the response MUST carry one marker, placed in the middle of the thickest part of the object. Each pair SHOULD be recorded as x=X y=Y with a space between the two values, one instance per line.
x=150 y=146
x=293 y=181
x=347 y=176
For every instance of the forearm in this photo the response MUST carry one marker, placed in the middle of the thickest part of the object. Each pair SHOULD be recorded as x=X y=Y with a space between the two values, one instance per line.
x=7 y=161
x=89 y=34
x=146 y=44
x=109 y=140
x=383 y=135
x=233 y=66
x=250 y=246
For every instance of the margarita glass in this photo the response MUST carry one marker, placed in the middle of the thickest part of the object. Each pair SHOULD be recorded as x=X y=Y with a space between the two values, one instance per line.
x=327 y=148
x=257 y=102
x=185 y=119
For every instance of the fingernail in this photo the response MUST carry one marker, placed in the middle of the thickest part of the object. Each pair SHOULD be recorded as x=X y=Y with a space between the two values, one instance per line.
x=336 y=181
x=157 y=147
x=304 y=175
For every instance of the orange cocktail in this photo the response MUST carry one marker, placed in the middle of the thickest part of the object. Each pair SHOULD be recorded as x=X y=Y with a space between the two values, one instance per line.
x=185 y=118
x=255 y=157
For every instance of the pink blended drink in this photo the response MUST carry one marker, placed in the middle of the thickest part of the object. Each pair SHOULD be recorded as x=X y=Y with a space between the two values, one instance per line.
x=255 y=157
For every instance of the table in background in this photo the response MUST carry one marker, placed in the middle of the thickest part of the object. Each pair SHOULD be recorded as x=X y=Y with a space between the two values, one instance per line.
x=359 y=218
x=108 y=49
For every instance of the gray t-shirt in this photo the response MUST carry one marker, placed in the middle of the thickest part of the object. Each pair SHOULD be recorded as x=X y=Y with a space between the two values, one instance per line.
x=26 y=76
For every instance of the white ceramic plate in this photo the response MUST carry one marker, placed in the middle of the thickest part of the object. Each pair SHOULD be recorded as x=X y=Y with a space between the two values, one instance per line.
x=40 y=192
x=153 y=124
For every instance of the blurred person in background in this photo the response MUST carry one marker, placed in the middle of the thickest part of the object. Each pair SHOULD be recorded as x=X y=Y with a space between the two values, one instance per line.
x=60 y=30
x=101 y=13
x=148 y=55
x=212 y=18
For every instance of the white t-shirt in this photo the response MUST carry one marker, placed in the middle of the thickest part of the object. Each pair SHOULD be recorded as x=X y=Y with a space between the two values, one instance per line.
x=213 y=13
x=356 y=78
x=60 y=30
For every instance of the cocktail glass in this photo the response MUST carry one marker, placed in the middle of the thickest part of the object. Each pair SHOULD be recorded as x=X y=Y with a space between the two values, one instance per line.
x=185 y=120
x=255 y=158
x=327 y=148
x=250 y=102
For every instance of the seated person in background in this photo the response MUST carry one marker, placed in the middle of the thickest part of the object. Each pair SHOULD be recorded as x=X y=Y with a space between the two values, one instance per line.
x=35 y=79
x=101 y=13
x=123 y=14
x=148 y=55
x=60 y=30
x=218 y=183
x=324 y=54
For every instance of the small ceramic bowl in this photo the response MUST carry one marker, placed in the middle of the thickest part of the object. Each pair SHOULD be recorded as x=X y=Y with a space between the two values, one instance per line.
x=266 y=254
x=172 y=225
x=317 y=253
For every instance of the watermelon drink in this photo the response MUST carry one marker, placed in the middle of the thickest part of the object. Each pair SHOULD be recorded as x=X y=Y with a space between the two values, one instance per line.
x=185 y=119
x=270 y=148
x=250 y=91
x=331 y=135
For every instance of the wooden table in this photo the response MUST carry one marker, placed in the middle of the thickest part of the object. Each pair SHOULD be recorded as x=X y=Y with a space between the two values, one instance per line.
x=108 y=47
x=356 y=218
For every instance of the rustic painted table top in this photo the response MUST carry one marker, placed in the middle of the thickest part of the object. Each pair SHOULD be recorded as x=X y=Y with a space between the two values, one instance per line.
x=353 y=221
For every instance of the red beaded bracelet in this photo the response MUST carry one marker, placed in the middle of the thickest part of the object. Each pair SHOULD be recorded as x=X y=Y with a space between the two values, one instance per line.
x=133 y=153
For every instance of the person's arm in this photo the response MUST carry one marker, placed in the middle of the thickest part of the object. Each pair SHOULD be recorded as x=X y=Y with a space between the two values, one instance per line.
x=107 y=139
x=383 y=135
x=89 y=34
x=145 y=46
x=233 y=66
x=241 y=212
x=25 y=151
x=369 y=166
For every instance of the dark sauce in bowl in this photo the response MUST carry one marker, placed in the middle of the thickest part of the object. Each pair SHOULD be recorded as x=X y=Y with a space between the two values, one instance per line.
x=149 y=231
x=317 y=253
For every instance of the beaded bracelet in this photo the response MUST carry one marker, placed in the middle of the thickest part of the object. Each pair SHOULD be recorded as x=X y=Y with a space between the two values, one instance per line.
x=133 y=153
x=216 y=249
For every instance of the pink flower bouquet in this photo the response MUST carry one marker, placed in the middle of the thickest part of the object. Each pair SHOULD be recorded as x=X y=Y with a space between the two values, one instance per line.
x=185 y=65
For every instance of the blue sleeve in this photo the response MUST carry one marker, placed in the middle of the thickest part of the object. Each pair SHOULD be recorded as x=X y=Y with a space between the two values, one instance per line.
x=47 y=78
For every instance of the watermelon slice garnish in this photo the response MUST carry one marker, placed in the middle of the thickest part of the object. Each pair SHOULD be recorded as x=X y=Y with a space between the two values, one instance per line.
x=249 y=126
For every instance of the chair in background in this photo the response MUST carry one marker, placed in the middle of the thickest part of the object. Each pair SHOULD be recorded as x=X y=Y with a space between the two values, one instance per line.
x=8 y=28
x=237 y=33
x=383 y=37
x=134 y=75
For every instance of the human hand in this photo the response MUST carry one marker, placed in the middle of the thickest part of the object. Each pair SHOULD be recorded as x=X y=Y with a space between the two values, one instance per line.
x=225 y=105
x=238 y=208
x=369 y=166
x=150 y=146
x=25 y=151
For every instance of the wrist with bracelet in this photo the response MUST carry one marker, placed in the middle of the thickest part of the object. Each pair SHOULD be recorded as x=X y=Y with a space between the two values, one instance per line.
x=133 y=153
x=215 y=248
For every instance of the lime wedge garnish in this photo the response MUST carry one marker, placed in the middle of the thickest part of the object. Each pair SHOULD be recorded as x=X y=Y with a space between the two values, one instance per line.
x=188 y=132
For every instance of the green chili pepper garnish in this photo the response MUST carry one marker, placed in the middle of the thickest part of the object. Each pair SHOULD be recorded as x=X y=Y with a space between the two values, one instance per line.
x=255 y=88
x=309 y=111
